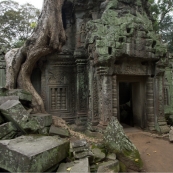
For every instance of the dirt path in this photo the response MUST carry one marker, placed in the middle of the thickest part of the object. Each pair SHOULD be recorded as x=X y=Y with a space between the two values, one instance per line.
x=156 y=153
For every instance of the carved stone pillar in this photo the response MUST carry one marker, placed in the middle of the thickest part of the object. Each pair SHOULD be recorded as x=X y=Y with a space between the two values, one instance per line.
x=82 y=92
x=150 y=103
x=2 y=73
x=114 y=96
x=161 y=124
x=105 y=96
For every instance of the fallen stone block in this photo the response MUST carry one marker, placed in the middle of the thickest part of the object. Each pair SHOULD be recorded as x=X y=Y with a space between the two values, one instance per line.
x=44 y=131
x=81 y=166
x=80 y=155
x=59 y=131
x=16 y=113
x=78 y=143
x=3 y=91
x=171 y=135
x=109 y=167
x=7 y=131
x=98 y=155
x=23 y=95
x=117 y=142
x=32 y=153
x=111 y=156
x=3 y=99
x=78 y=166
x=65 y=167
x=44 y=120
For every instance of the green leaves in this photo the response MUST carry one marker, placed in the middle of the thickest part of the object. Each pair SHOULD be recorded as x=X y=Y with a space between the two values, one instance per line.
x=17 y=23
x=162 y=10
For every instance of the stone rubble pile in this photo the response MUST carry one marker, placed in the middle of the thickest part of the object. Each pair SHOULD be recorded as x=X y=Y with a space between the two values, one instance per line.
x=15 y=117
x=34 y=143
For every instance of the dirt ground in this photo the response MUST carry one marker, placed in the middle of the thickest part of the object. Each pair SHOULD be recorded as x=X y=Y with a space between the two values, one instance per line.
x=156 y=151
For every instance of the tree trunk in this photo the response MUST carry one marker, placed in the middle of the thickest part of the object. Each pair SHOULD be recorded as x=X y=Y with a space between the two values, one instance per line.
x=48 y=36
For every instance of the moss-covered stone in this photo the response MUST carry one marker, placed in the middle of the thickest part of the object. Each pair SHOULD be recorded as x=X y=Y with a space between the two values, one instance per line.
x=117 y=142
x=32 y=153
x=128 y=33
x=7 y=131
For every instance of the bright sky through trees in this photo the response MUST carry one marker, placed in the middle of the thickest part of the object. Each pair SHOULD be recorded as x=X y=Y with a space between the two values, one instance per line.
x=36 y=3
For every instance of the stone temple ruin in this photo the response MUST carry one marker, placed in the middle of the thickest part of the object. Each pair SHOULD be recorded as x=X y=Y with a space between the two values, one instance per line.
x=113 y=64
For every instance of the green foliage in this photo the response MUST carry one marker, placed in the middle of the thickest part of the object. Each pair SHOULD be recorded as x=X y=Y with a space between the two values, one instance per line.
x=17 y=23
x=162 y=11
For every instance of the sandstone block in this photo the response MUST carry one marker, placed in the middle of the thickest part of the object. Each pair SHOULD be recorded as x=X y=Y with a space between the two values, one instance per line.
x=7 y=129
x=44 y=120
x=3 y=99
x=59 y=131
x=23 y=95
x=109 y=167
x=98 y=154
x=32 y=153
x=16 y=113
x=117 y=142
x=78 y=166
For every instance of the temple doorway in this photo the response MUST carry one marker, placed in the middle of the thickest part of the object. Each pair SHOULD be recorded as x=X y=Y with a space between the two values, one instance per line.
x=132 y=99
x=125 y=103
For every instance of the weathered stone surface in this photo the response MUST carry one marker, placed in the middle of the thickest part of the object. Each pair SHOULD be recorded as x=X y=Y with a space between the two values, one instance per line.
x=80 y=155
x=171 y=135
x=44 y=120
x=3 y=91
x=16 y=113
x=117 y=142
x=111 y=156
x=32 y=153
x=109 y=167
x=65 y=167
x=3 y=99
x=7 y=131
x=59 y=131
x=81 y=165
x=78 y=166
x=23 y=95
x=78 y=143
x=44 y=131
x=98 y=154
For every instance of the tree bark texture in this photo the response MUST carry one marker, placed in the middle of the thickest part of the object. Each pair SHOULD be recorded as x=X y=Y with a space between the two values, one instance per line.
x=48 y=36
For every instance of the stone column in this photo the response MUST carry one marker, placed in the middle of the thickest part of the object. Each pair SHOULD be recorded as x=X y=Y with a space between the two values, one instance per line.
x=114 y=96
x=150 y=103
x=2 y=73
x=161 y=124
x=82 y=89
x=105 y=96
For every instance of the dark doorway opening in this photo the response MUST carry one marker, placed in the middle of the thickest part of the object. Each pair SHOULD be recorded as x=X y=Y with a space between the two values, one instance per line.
x=125 y=104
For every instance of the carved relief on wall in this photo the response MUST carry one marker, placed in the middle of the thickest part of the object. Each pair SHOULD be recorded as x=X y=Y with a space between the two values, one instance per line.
x=95 y=99
x=59 y=82
x=82 y=90
x=81 y=35
x=132 y=68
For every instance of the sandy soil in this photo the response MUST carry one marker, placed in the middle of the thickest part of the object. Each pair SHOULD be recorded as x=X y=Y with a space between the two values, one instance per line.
x=156 y=152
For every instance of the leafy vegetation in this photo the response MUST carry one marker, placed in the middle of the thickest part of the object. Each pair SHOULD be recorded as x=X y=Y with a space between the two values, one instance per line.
x=162 y=11
x=17 y=23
